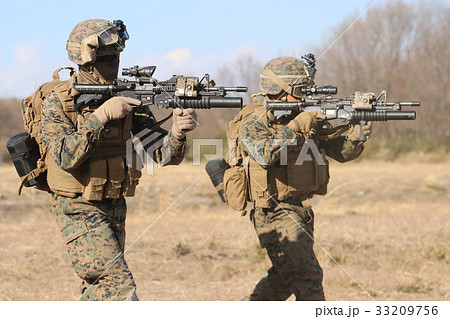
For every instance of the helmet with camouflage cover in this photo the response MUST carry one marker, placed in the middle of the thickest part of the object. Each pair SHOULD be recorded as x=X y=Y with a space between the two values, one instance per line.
x=283 y=73
x=95 y=37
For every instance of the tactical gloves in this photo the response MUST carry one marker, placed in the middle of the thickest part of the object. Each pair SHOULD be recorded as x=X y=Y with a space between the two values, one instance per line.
x=354 y=131
x=305 y=123
x=115 y=108
x=183 y=121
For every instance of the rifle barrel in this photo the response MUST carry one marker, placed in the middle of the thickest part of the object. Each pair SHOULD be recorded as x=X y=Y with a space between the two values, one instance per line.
x=383 y=115
x=409 y=103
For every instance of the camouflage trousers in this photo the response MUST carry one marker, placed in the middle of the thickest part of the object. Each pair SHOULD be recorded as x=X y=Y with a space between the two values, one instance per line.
x=94 y=233
x=287 y=234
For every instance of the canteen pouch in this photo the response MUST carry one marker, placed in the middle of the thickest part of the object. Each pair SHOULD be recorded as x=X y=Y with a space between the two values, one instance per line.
x=236 y=187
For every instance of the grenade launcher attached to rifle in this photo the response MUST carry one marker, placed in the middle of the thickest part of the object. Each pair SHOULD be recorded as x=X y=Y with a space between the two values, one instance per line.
x=356 y=109
x=179 y=91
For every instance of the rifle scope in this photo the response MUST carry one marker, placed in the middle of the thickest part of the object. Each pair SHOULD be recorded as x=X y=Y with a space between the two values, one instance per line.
x=145 y=71
x=316 y=90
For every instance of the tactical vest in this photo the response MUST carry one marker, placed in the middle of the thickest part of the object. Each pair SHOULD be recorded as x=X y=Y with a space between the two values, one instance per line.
x=105 y=174
x=289 y=181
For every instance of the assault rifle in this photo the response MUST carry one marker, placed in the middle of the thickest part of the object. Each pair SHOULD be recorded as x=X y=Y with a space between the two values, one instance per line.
x=179 y=91
x=357 y=109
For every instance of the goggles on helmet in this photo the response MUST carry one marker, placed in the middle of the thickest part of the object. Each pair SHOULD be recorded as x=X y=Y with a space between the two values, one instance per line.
x=109 y=41
x=294 y=89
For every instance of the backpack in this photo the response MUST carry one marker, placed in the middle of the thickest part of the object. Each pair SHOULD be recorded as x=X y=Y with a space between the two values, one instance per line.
x=27 y=149
x=236 y=177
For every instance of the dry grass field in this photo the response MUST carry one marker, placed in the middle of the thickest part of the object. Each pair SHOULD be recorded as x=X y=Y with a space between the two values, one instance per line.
x=386 y=224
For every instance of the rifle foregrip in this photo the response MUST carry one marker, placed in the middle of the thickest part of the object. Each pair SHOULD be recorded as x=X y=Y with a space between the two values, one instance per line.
x=362 y=136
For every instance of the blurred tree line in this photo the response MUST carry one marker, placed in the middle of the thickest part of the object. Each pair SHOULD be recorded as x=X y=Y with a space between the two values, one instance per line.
x=402 y=48
x=398 y=47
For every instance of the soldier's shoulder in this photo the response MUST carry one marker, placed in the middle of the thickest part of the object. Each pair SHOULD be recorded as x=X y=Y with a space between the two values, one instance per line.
x=51 y=101
x=252 y=113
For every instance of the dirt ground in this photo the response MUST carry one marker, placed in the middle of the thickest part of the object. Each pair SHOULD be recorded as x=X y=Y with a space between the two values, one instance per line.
x=382 y=232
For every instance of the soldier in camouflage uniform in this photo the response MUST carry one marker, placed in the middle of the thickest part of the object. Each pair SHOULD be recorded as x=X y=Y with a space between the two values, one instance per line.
x=87 y=170
x=283 y=218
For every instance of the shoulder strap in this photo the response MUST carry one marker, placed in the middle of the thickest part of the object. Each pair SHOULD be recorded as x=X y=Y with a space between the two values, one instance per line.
x=66 y=94
x=34 y=173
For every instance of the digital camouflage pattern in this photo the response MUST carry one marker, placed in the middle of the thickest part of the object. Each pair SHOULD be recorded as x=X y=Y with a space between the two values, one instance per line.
x=83 y=30
x=69 y=146
x=287 y=234
x=291 y=70
x=286 y=230
x=265 y=146
x=262 y=145
x=94 y=232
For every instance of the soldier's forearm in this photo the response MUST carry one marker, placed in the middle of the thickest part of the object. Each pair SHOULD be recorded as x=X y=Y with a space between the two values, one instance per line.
x=342 y=150
x=73 y=149
x=267 y=149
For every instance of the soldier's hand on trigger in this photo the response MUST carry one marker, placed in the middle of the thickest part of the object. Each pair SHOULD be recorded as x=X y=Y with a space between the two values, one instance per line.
x=115 y=108
x=183 y=121
x=354 y=131
x=305 y=123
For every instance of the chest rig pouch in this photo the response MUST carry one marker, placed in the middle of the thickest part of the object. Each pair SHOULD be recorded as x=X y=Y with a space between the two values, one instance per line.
x=303 y=173
x=105 y=174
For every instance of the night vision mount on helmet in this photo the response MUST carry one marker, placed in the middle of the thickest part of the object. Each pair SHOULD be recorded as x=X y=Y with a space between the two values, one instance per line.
x=96 y=37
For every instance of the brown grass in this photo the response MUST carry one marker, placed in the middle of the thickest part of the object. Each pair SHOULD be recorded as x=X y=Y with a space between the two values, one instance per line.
x=385 y=223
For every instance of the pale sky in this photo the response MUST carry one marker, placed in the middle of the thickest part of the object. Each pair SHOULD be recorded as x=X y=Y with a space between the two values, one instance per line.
x=183 y=37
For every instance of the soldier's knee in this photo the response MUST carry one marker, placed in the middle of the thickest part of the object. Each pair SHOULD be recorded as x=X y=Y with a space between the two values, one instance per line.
x=92 y=270
x=93 y=249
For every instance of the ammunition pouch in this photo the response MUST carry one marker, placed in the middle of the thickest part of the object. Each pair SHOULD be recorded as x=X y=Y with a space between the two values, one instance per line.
x=290 y=181
x=96 y=179
x=105 y=173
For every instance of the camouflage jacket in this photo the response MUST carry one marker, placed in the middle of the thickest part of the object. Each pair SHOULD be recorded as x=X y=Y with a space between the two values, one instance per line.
x=265 y=146
x=70 y=146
